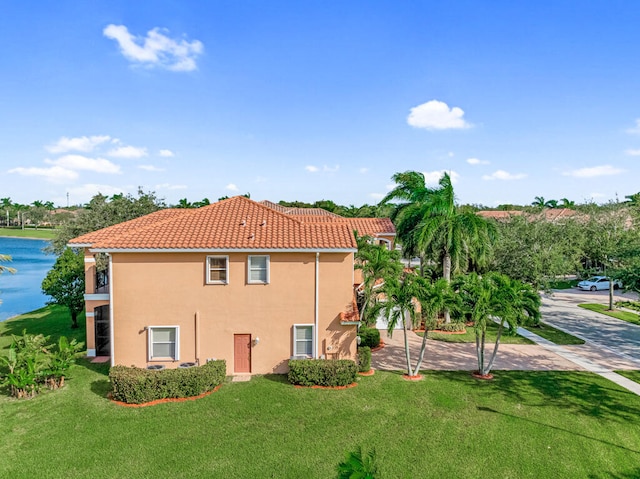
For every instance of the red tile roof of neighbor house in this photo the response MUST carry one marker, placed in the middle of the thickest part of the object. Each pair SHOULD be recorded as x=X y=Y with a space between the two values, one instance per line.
x=549 y=214
x=351 y=315
x=234 y=223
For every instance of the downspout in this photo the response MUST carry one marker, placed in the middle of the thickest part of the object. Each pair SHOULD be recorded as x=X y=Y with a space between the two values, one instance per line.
x=111 y=340
x=315 y=320
x=197 y=348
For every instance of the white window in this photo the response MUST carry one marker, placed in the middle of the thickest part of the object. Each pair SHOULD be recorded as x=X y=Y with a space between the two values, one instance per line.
x=303 y=340
x=164 y=343
x=217 y=269
x=258 y=269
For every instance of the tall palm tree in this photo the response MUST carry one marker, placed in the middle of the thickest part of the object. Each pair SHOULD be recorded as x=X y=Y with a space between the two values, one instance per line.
x=5 y=257
x=565 y=203
x=400 y=305
x=539 y=202
x=496 y=297
x=551 y=204
x=428 y=221
x=376 y=263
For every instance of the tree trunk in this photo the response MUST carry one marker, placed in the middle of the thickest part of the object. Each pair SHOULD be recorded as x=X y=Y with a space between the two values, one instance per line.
x=446 y=274
x=422 y=349
x=495 y=349
x=611 y=294
x=74 y=319
x=406 y=344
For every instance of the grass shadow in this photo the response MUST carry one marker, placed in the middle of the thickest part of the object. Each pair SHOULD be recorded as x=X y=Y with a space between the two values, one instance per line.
x=634 y=474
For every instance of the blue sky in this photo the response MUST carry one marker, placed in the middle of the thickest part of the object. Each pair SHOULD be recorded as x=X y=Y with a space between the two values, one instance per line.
x=319 y=99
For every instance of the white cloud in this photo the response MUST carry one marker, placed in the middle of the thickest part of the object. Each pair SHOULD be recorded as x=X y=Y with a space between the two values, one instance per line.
x=594 y=172
x=54 y=173
x=632 y=152
x=504 y=175
x=390 y=186
x=432 y=177
x=128 y=152
x=231 y=187
x=83 y=193
x=377 y=196
x=636 y=129
x=169 y=186
x=329 y=169
x=82 y=143
x=166 y=153
x=436 y=115
x=476 y=161
x=150 y=168
x=79 y=162
x=364 y=170
x=311 y=169
x=156 y=49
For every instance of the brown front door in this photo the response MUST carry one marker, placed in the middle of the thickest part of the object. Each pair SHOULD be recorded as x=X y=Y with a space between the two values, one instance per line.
x=242 y=353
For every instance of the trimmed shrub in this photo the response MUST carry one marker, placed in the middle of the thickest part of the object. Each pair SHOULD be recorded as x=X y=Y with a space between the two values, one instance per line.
x=137 y=385
x=450 y=327
x=364 y=359
x=369 y=337
x=322 y=372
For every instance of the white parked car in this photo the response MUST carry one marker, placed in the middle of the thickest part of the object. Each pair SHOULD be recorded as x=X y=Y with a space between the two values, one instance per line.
x=597 y=283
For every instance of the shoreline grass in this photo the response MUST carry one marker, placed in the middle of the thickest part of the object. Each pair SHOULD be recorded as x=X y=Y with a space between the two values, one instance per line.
x=633 y=375
x=604 y=309
x=30 y=233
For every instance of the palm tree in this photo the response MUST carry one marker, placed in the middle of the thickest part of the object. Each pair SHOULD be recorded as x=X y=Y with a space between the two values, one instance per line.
x=539 y=202
x=358 y=465
x=496 y=297
x=4 y=257
x=429 y=221
x=551 y=204
x=376 y=263
x=402 y=296
x=565 y=203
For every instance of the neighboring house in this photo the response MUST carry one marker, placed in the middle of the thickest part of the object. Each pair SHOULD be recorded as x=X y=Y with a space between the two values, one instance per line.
x=235 y=280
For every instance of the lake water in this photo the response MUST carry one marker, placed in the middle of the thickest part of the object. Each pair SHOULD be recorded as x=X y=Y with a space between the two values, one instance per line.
x=20 y=292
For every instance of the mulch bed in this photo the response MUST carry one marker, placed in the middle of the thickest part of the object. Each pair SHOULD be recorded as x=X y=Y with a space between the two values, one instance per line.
x=406 y=377
x=370 y=372
x=162 y=401
x=378 y=347
x=352 y=385
x=440 y=331
x=485 y=377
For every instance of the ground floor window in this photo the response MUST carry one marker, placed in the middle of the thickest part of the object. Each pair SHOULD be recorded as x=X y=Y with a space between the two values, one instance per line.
x=303 y=340
x=164 y=343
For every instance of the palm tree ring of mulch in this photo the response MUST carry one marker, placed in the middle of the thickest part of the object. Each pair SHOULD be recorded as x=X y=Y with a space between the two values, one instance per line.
x=370 y=372
x=486 y=377
x=378 y=347
x=418 y=377
x=441 y=331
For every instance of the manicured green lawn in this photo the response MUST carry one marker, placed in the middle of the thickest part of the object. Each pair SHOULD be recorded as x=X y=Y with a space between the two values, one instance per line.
x=520 y=425
x=602 y=308
x=633 y=375
x=554 y=335
x=470 y=336
x=28 y=233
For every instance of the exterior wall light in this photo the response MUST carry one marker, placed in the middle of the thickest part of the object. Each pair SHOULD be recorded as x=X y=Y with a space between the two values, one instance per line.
x=256 y=341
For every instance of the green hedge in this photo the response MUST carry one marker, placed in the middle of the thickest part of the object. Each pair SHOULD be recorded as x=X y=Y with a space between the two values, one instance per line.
x=369 y=337
x=322 y=372
x=454 y=327
x=364 y=359
x=136 y=385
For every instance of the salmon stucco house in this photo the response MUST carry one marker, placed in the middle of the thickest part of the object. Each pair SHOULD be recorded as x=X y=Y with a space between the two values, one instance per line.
x=252 y=283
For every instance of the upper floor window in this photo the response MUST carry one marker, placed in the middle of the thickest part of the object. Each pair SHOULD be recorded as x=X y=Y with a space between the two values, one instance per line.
x=258 y=269
x=217 y=269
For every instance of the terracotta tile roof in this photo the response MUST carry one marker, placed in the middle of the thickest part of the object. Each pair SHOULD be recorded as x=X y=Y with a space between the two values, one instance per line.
x=498 y=215
x=299 y=211
x=549 y=214
x=235 y=223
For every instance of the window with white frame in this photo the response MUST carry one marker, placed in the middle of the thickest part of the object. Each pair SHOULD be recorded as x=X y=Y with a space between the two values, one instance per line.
x=303 y=340
x=164 y=343
x=217 y=269
x=258 y=269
